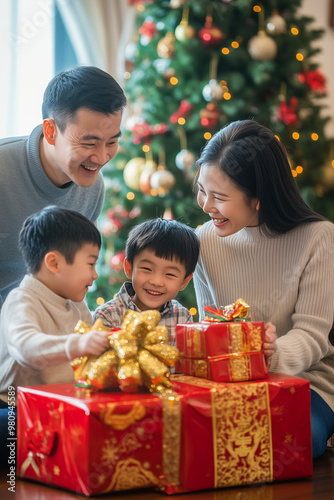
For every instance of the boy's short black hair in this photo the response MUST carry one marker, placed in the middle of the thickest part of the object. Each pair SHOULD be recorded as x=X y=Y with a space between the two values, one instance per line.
x=167 y=239
x=55 y=228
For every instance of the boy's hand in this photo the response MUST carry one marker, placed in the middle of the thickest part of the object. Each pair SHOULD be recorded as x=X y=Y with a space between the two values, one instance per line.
x=269 y=345
x=93 y=342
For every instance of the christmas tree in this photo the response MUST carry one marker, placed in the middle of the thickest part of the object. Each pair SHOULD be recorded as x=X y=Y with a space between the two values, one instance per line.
x=193 y=67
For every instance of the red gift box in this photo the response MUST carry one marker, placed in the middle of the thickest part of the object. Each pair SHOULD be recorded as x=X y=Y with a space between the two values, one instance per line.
x=244 y=433
x=89 y=443
x=223 y=352
x=205 y=435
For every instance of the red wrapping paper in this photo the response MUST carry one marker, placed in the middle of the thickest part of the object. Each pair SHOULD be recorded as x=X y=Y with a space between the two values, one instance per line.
x=223 y=352
x=100 y=442
x=229 y=434
x=245 y=433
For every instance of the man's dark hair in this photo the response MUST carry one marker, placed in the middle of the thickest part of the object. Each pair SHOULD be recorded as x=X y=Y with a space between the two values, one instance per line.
x=55 y=228
x=168 y=239
x=83 y=87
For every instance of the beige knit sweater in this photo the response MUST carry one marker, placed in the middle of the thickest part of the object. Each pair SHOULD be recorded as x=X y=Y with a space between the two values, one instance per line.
x=287 y=280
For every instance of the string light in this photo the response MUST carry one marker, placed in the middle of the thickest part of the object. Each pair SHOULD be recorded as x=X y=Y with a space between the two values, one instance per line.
x=235 y=45
x=294 y=30
x=146 y=148
x=208 y=136
x=153 y=192
x=100 y=301
x=193 y=311
x=299 y=56
x=127 y=75
x=257 y=8
x=173 y=80
x=181 y=121
x=227 y=96
x=295 y=136
x=225 y=50
x=294 y=173
x=130 y=195
x=299 y=169
x=314 y=136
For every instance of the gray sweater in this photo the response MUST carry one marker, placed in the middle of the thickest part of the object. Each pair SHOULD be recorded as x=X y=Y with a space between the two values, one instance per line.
x=287 y=280
x=25 y=189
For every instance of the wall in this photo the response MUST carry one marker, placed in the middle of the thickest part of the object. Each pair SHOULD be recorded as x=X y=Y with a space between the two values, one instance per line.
x=320 y=11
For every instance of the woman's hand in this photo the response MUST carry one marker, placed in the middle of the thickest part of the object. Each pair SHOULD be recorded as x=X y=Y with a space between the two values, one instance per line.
x=269 y=345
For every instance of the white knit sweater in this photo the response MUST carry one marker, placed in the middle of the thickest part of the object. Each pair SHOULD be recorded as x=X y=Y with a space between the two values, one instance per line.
x=288 y=280
x=36 y=336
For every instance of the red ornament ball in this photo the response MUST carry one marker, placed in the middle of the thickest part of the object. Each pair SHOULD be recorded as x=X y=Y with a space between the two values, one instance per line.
x=211 y=35
x=116 y=262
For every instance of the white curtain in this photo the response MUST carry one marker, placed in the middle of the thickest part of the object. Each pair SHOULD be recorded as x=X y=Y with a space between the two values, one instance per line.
x=99 y=31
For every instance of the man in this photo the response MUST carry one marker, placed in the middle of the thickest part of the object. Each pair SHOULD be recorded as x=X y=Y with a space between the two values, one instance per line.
x=60 y=162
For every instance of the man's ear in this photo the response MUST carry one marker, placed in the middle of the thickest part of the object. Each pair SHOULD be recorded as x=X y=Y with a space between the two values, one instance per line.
x=127 y=268
x=49 y=130
x=186 y=281
x=52 y=261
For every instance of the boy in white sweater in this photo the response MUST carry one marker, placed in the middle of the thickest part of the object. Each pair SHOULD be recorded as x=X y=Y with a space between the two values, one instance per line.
x=60 y=248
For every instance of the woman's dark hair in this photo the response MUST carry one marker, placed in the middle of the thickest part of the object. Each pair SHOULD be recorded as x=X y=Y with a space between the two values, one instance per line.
x=55 y=228
x=82 y=87
x=167 y=239
x=251 y=156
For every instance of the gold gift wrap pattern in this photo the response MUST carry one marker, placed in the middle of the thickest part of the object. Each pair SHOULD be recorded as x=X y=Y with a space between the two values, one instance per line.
x=139 y=356
x=244 y=339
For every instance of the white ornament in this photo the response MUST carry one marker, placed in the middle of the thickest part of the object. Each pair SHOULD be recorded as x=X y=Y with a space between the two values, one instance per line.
x=185 y=159
x=212 y=91
x=262 y=47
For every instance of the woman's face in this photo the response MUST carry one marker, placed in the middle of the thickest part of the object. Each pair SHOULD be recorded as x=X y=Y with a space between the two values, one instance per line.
x=228 y=206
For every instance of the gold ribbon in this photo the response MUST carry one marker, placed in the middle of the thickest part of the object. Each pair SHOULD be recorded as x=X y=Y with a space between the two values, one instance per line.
x=30 y=460
x=139 y=355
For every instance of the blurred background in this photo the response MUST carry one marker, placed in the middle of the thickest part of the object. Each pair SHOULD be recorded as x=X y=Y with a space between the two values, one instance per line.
x=188 y=68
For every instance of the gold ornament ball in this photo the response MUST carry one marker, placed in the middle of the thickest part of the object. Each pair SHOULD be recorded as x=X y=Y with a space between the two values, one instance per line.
x=262 y=47
x=275 y=25
x=165 y=46
x=184 y=32
x=328 y=176
x=162 y=179
x=132 y=172
x=212 y=91
x=175 y=4
x=145 y=177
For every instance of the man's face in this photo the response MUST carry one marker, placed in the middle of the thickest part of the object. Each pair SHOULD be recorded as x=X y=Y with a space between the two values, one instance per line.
x=85 y=146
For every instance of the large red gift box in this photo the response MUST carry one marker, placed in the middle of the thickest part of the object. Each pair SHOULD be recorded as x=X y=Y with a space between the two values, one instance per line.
x=203 y=435
x=243 y=433
x=223 y=352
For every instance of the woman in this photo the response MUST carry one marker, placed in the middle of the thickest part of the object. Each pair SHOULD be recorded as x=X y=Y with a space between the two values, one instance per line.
x=265 y=245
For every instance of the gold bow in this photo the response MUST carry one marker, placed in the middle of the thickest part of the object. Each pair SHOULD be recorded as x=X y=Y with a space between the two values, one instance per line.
x=139 y=356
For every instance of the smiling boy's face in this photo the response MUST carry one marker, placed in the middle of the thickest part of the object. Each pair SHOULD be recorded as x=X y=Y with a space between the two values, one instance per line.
x=155 y=280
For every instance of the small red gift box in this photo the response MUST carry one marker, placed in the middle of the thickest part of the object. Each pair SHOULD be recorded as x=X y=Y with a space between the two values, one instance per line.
x=203 y=435
x=223 y=352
